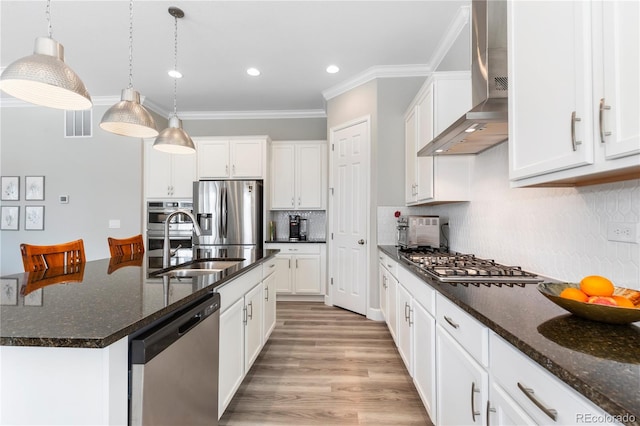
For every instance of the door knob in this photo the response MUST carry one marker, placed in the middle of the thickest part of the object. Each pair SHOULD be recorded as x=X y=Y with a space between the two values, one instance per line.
x=361 y=242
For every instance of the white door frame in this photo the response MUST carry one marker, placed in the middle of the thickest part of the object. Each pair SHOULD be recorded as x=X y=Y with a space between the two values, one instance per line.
x=331 y=265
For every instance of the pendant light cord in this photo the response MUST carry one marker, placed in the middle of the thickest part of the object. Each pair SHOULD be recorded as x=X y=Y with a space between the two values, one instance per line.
x=130 y=44
x=175 y=67
x=48 y=14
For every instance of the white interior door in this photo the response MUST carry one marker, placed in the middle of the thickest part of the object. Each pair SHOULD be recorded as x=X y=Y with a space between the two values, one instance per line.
x=348 y=216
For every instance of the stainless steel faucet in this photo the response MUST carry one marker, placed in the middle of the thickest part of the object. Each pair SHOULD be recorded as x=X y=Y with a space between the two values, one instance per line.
x=166 y=253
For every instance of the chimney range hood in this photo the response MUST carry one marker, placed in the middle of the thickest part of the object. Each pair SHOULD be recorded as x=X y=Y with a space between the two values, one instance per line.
x=486 y=124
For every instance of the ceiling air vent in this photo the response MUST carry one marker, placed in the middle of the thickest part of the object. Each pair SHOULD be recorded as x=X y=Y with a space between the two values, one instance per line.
x=77 y=124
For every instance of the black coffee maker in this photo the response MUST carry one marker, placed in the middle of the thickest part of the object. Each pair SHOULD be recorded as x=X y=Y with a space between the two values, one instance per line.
x=294 y=227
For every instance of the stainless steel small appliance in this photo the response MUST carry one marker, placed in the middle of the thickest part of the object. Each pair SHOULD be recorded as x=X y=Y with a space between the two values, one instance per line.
x=294 y=227
x=304 y=230
x=416 y=231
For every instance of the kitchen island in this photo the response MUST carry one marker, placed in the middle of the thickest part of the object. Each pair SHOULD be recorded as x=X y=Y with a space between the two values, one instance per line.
x=600 y=361
x=64 y=335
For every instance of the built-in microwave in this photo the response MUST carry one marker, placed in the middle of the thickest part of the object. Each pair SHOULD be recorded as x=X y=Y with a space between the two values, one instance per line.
x=418 y=231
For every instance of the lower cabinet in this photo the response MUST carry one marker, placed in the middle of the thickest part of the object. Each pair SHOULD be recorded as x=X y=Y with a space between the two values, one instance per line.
x=503 y=410
x=247 y=317
x=405 y=322
x=300 y=268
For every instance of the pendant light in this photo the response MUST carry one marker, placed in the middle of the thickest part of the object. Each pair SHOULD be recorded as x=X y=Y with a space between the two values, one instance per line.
x=128 y=117
x=44 y=79
x=174 y=139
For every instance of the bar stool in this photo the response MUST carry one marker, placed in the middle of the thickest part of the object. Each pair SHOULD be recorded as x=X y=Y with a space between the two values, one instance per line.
x=38 y=258
x=126 y=246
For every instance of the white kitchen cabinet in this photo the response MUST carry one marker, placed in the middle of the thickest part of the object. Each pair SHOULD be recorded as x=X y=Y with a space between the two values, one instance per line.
x=442 y=99
x=389 y=285
x=238 y=158
x=253 y=317
x=300 y=268
x=405 y=323
x=462 y=383
x=541 y=396
x=269 y=288
x=585 y=52
x=298 y=175
x=231 y=358
x=168 y=175
x=503 y=410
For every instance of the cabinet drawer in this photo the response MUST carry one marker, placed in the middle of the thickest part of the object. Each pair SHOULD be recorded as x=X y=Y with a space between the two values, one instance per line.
x=390 y=264
x=235 y=289
x=297 y=248
x=526 y=382
x=268 y=267
x=467 y=331
x=421 y=292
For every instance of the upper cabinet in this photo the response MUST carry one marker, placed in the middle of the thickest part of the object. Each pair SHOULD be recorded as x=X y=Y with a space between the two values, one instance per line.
x=573 y=92
x=298 y=175
x=442 y=99
x=168 y=175
x=237 y=158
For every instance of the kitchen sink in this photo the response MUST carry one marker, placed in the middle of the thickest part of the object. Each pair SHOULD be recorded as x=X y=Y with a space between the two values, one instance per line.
x=201 y=267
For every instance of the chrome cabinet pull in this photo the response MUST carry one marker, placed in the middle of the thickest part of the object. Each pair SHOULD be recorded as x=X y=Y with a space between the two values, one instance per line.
x=529 y=393
x=293 y=203
x=233 y=168
x=574 y=142
x=410 y=317
x=296 y=263
x=273 y=265
x=406 y=316
x=474 y=413
x=451 y=322
x=226 y=169
x=299 y=202
x=489 y=410
x=251 y=312
x=603 y=107
x=289 y=263
x=244 y=313
x=266 y=297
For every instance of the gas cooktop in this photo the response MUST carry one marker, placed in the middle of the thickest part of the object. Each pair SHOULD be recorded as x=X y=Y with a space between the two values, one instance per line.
x=465 y=269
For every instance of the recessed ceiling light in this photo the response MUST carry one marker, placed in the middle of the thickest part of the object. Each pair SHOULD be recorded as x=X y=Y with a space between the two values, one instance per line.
x=175 y=74
x=332 y=69
x=253 y=72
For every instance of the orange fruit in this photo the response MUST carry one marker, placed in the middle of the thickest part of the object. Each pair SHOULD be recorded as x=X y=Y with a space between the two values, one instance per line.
x=574 y=294
x=623 y=301
x=595 y=285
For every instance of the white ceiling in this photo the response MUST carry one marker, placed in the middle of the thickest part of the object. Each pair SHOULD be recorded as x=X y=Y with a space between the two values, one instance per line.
x=291 y=42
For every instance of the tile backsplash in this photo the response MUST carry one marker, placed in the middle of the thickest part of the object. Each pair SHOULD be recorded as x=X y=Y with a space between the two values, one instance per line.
x=316 y=221
x=556 y=232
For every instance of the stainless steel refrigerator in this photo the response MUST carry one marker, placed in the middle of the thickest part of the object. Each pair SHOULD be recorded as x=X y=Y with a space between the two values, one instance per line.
x=229 y=213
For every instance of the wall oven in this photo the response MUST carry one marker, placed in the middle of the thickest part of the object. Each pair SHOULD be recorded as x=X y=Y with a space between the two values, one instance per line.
x=180 y=232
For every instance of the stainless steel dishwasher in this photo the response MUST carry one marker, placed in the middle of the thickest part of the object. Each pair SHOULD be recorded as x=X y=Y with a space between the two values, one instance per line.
x=174 y=368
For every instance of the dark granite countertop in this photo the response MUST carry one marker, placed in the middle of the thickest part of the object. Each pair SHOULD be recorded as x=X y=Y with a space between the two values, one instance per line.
x=601 y=361
x=100 y=302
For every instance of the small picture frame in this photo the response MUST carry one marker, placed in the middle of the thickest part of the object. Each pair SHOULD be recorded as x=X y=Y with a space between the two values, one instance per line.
x=9 y=218
x=34 y=298
x=34 y=188
x=8 y=291
x=10 y=187
x=34 y=218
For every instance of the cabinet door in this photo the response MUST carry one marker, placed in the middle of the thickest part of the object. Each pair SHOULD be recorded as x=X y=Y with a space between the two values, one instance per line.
x=505 y=411
x=545 y=93
x=619 y=126
x=283 y=274
x=231 y=360
x=246 y=158
x=392 y=318
x=183 y=170
x=404 y=329
x=157 y=172
x=424 y=357
x=461 y=383
x=269 y=288
x=253 y=314
x=282 y=176
x=410 y=137
x=306 y=274
x=213 y=159
x=309 y=176
x=424 y=165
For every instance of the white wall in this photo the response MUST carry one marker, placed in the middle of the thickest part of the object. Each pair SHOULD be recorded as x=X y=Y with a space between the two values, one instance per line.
x=557 y=232
x=102 y=175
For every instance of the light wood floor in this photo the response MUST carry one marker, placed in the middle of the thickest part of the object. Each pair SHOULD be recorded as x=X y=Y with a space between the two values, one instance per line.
x=326 y=366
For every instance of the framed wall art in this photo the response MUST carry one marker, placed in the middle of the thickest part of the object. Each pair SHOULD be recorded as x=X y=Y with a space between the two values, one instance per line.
x=9 y=218
x=34 y=218
x=10 y=187
x=34 y=188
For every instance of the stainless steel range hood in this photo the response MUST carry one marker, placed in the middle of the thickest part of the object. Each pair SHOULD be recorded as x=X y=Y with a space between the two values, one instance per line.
x=485 y=125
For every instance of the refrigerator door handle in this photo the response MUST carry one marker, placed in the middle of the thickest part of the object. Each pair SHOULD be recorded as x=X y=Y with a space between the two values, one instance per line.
x=225 y=212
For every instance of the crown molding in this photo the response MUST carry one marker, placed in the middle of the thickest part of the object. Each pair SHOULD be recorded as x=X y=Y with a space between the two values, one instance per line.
x=377 y=72
x=252 y=115
x=459 y=21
